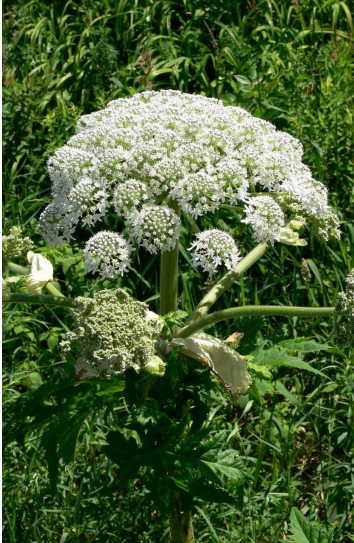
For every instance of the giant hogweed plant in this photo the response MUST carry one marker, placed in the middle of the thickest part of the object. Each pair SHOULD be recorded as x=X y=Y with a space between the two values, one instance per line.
x=163 y=160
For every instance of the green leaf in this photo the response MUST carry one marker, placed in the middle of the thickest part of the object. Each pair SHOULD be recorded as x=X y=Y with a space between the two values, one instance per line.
x=208 y=492
x=175 y=318
x=35 y=379
x=306 y=532
x=130 y=457
x=68 y=437
x=52 y=342
x=49 y=441
x=25 y=405
x=112 y=388
x=226 y=463
x=279 y=357
x=303 y=344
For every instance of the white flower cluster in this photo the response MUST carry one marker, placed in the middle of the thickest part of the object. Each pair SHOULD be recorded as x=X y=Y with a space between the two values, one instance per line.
x=266 y=218
x=107 y=253
x=156 y=228
x=144 y=151
x=212 y=248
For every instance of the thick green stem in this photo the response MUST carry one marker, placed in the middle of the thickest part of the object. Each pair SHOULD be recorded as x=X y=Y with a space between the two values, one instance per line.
x=51 y=288
x=253 y=311
x=43 y=299
x=226 y=282
x=169 y=275
x=23 y=270
x=181 y=525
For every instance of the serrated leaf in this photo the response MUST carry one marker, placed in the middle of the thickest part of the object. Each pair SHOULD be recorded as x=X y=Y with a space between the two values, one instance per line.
x=279 y=357
x=226 y=463
x=304 y=345
x=208 y=492
x=305 y=532
x=302 y=531
x=130 y=457
x=207 y=445
x=26 y=404
x=175 y=318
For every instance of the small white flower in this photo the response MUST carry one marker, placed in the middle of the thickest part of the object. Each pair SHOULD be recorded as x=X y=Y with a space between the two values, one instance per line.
x=108 y=254
x=212 y=248
x=266 y=218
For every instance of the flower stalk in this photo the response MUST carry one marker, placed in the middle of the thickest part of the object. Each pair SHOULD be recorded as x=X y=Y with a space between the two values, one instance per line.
x=53 y=290
x=40 y=299
x=169 y=274
x=181 y=525
x=254 y=311
x=23 y=270
x=225 y=283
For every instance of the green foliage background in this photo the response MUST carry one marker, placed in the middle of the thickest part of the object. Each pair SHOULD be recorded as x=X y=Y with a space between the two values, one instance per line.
x=290 y=62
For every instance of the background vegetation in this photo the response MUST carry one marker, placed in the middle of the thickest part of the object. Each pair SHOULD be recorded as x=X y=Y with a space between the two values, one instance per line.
x=290 y=62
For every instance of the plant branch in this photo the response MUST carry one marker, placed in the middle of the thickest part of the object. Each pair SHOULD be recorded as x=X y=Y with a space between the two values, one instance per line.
x=253 y=311
x=23 y=270
x=224 y=283
x=42 y=299
x=51 y=288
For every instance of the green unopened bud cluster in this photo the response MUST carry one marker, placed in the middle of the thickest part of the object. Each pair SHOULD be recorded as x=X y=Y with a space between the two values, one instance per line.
x=112 y=332
x=14 y=245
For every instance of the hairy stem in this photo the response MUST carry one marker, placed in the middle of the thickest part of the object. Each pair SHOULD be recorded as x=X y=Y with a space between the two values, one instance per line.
x=23 y=270
x=42 y=299
x=253 y=311
x=181 y=525
x=226 y=282
x=169 y=275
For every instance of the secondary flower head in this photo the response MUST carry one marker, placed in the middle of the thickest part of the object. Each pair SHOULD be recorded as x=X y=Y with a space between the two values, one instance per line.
x=14 y=245
x=108 y=254
x=111 y=333
x=144 y=152
x=156 y=228
x=266 y=218
x=212 y=248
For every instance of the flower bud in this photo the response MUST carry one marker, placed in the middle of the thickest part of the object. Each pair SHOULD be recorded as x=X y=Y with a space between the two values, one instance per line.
x=296 y=224
x=289 y=237
x=41 y=272
x=155 y=366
